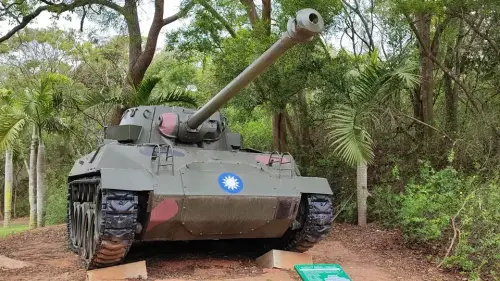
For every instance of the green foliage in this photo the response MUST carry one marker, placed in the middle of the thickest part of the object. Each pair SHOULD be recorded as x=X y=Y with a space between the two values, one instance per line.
x=56 y=204
x=385 y=206
x=38 y=106
x=375 y=84
x=440 y=205
x=143 y=95
x=478 y=245
x=428 y=207
x=352 y=142
x=255 y=128
x=12 y=123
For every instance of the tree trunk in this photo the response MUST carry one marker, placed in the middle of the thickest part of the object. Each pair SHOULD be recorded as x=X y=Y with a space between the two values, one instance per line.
x=32 y=178
x=453 y=61
x=276 y=132
x=426 y=72
x=451 y=97
x=283 y=141
x=117 y=115
x=9 y=176
x=305 y=133
x=14 y=202
x=362 y=193
x=40 y=183
x=279 y=133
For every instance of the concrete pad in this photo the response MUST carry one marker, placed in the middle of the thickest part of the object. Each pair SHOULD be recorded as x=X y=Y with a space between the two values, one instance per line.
x=9 y=263
x=283 y=259
x=119 y=272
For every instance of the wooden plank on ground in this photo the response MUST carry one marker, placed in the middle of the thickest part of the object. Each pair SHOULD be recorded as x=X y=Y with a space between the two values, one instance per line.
x=283 y=259
x=119 y=272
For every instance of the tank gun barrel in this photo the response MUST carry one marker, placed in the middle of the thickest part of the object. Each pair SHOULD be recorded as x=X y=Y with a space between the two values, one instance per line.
x=302 y=28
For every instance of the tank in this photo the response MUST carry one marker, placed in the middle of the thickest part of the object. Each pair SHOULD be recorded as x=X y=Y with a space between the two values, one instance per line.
x=180 y=174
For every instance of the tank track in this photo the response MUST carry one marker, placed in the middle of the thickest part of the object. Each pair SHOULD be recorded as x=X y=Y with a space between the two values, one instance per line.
x=316 y=217
x=101 y=224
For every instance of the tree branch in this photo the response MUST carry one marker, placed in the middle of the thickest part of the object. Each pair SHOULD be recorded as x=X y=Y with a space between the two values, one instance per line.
x=371 y=44
x=47 y=2
x=24 y=22
x=266 y=15
x=8 y=12
x=11 y=5
x=251 y=11
x=58 y=9
x=172 y=18
x=156 y=26
x=350 y=25
x=83 y=18
x=481 y=34
x=179 y=14
x=218 y=16
x=435 y=40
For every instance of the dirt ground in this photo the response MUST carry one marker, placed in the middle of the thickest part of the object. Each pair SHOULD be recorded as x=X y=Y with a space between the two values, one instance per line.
x=365 y=254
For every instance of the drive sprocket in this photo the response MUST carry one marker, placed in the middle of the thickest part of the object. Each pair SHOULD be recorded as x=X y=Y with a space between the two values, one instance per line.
x=101 y=224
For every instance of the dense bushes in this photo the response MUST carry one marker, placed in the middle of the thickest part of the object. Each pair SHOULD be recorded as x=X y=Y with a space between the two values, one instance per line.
x=56 y=205
x=457 y=215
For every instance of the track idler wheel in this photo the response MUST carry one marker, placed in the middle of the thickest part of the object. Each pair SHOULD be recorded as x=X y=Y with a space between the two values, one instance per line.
x=315 y=217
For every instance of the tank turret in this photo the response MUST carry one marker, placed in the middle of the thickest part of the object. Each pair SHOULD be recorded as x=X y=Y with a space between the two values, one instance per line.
x=205 y=125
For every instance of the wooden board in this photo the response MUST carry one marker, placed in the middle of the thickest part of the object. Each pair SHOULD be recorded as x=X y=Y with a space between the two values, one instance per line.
x=283 y=259
x=119 y=272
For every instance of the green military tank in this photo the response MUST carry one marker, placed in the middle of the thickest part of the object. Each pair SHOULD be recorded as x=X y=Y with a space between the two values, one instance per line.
x=173 y=173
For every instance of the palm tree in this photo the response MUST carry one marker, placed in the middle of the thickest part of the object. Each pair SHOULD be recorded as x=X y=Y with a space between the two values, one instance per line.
x=143 y=95
x=7 y=146
x=8 y=187
x=38 y=107
x=349 y=135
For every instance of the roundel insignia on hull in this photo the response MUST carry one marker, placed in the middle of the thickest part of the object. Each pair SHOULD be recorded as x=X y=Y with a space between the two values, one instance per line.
x=230 y=182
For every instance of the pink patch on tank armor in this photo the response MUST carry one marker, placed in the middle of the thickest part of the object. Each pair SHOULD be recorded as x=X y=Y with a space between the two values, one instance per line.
x=168 y=123
x=166 y=210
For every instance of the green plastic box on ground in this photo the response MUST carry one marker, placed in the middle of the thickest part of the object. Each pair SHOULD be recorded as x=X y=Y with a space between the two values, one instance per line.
x=322 y=272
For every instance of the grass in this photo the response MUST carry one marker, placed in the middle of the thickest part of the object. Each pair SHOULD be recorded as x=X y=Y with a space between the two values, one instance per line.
x=13 y=228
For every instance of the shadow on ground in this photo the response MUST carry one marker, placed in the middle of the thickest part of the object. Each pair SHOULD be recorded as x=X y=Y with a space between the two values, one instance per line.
x=215 y=259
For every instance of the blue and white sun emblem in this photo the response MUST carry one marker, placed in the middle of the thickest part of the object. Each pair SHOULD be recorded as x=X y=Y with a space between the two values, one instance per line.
x=230 y=182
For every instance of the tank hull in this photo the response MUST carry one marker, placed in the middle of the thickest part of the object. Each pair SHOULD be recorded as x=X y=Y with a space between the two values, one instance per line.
x=190 y=197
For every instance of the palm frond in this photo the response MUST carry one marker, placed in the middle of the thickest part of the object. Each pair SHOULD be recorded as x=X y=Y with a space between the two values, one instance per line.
x=371 y=89
x=351 y=140
x=50 y=96
x=6 y=97
x=369 y=83
x=19 y=149
x=405 y=74
x=145 y=89
x=56 y=124
x=11 y=126
x=173 y=96
x=95 y=99
x=377 y=82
